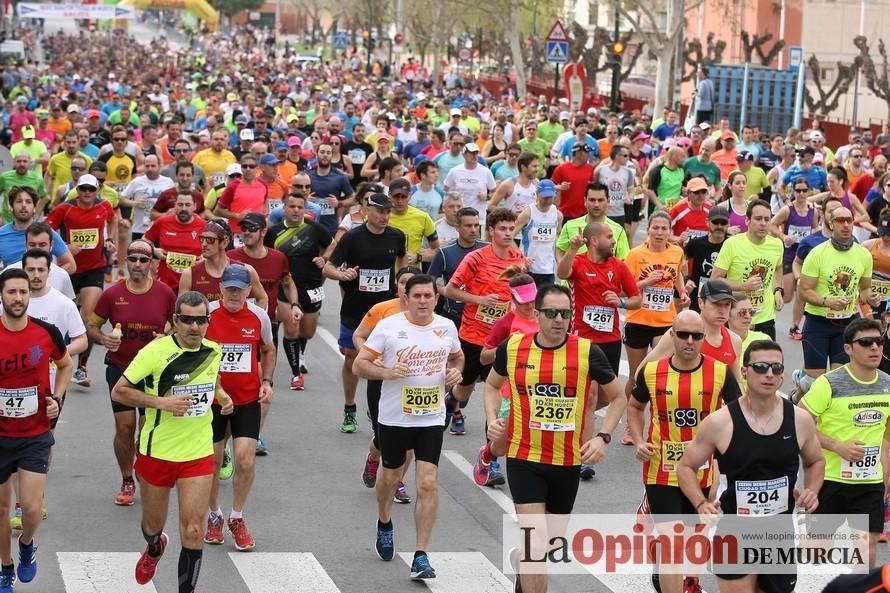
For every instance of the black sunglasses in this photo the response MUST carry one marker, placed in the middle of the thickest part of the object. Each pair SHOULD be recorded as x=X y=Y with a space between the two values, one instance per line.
x=869 y=341
x=762 y=367
x=140 y=260
x=720 y=222
x=684 y=335
x=249 y=228
x=190 y=319
x=246 y=166
x=552 y=313
x=301 y=186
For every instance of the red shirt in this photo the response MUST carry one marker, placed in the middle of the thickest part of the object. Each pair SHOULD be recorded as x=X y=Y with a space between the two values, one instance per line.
x=141 y=317
x=84 y=228
x=684 y=218
x=862 y=185
x=24 y=376
x=240 y=336
x=571 y=201
x=271 y=270
x=182 y=242
x=589 y=281
x=240 y=196
x=167 y=199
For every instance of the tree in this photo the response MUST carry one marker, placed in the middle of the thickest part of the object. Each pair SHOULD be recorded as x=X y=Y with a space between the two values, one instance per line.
x=695 y=56
x=828 y=99
x=757 y=43
x=233 y=7
x=876 y=76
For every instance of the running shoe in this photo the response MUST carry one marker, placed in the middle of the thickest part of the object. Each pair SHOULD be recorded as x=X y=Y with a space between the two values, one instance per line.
x=127 y=495
x=384 y=545
x=797 y=391
x=303 y=369
x=626 y=439
x=495 y=477
x=449 y=411
x=296 y=383
x=261 y=450
x=243 y=540
x=457 y=424
x=690 y=585
x=145 y=568
x=481 y=470
x=795 y=334
x=214 y=534
x=27 y=568
x=401 y=495
x=421 y=569
x=228 y=467
x=7 y=580
x=16 y=521
x=513 y=556
x=587 y=471
x=80 y=377
x=369 y=474
x=349 y=422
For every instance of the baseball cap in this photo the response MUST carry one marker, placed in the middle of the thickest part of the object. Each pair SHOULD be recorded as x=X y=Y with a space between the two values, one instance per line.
x=73 y=108
x=806 y=150
x=716 y=291
x=400 y=186
x=696 y=184
x=93 y=113
x=745 y=156
x=382 y=137
x=580 y=147
x=269 y=159
x=253 y=219
x=683 y=142
x=23 y=99
x=641 y=137
x=28 y=132
x=705 y=126
x=42 y=114
x=471 y=147
x=281 y=145
x=727 y=135
x=380 y=200
x=421 y=96
x=565 y=115
x=231 y=97
x=294 y=141
x=292 y=117
x=88 y=181
x=456 y=111
x=235 y=276
x=817 y=135
x=420 y=158
x=422 y=128
x=524 y=293
x=718 y=213
x=246 y=134
x=884 y=226
x=241 y=120
x=546 y=189
x=233 y=169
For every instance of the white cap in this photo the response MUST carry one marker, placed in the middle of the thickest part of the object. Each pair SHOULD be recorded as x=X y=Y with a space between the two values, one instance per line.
x=471 y=147
x=246 y=134
x=456 y=111
x=347 y=88
x=565 y=115
x=88 y=180
x=563 y=100
x=816 y=135
x=232 y=169
x=73 y=108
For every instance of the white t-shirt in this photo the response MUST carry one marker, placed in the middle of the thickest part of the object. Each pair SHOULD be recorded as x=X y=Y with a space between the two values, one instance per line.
x=58 y=279
x=471 y=184
x=447 y=234
x=419 y=398
x=57 y=309
x=143 y=188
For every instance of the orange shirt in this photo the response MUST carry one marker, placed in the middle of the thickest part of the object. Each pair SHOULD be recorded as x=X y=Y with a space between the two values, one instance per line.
x=60 y=126
x=726 y=161
x=379 y=312
x=658 y=308
x=287 y=170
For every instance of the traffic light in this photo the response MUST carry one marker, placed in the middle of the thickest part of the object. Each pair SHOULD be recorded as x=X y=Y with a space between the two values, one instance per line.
x=617 y=51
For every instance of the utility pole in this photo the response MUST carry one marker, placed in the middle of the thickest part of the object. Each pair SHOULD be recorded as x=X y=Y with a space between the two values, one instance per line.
x=617 y=53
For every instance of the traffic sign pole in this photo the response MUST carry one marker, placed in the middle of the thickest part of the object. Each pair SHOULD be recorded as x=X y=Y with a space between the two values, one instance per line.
x=556 y=83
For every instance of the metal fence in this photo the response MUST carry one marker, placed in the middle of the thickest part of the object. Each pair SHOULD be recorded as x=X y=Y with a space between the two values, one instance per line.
x=758 y=96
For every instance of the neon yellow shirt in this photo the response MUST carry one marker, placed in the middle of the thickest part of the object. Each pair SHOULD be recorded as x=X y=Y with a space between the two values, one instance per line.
x=416 y=224
x=742 y=259
x=838 y=274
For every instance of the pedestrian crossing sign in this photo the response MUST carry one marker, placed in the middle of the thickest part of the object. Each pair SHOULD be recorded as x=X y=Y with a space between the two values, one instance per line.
x=557 y=52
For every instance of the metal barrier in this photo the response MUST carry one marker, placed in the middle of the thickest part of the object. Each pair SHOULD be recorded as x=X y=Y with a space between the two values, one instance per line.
x=757 y=96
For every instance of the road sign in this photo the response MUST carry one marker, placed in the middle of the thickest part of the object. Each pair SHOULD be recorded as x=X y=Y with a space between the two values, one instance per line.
x=464 y=54
x=795 y=57
x=557 y=33
x=557 y=52
x=341 y=41
x=399 y=39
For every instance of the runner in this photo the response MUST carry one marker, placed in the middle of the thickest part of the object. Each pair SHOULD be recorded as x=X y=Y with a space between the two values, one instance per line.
x=544 y=455
x=473 y=181
x=30 y=405
x=619 y=177
x=880 y=253
x=740 y=323
x=414 y=222
x=700 y=253
x=480 y=281
x=177 y=239
x=185 y=182
x=683 y=389
x=84 y=223
x=597 y=203
x=144 y=310
x=244 y=334
x=749 y=440
x=540 y=225
x=447 y=259
x=518 y=193
x=39 y=236
x=363 y=262
x=689 y=218
x=751 y=262
x=180 y=373
x=412 y=412
x=851 y=432
x=241 y=196
x=13 y=236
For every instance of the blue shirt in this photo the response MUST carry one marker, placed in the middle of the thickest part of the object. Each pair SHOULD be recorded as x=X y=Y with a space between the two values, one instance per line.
x=810 y=242
x=91 y=150
x=334 y=184
x=664 y=131
x=12 y=244
x=566 y=150
x=816 y=177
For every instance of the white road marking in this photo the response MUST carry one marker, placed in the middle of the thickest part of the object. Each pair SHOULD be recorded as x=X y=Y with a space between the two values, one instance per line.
x=463 y=572
x=284 y=572
x=466 y=468
x=329 y=339
x=101 y=572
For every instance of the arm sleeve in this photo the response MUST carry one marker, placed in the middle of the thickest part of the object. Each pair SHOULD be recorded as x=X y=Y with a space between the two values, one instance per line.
x=598 y=366
x=153 y=234
x=437 y=266
x=628 y=285
x=141 y=366
x=655 y=178
x=500 y=360
x=376 y=342
x=810 y=266
x=640 y=391
x=465 y=271
x=724 y=257
x=429 y=228
x=731 y=390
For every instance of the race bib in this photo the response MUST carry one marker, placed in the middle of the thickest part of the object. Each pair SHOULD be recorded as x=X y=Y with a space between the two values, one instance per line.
x=798 y=232
x=761 y=498
x=657 y=299
x=84 y=238
x=552 y=414
x=273 y=204
x=217 y=179
x=545 y=233
x=179 y=262
x=864 y=469
x=491 y=313
x=671 y=452
x=239 y=241
x=18 y=403
x=671 y=202
x=616 y=200
x=316 y=295
x=357 y=156
x=236 y=358
x=602 y=319
x=881 y=288
x=695 y=233
x=373 y=280
x=202 y=398
x=421 y=401
x=844 y=313
x=757 y=300
x=326 y=208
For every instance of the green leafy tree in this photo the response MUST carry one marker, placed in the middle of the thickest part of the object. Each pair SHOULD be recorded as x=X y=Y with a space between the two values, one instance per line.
x=233 y=7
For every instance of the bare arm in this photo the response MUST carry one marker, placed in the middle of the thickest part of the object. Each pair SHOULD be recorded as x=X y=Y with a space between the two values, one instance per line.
x=503 y=190
x=257 y=291
x=66 y=262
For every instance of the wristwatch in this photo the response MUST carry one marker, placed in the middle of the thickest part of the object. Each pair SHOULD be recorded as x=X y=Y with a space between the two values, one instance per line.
x=607 y=438
x=269 y=381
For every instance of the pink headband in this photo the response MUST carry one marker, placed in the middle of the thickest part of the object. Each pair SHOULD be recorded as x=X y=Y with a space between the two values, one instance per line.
x=524 y=293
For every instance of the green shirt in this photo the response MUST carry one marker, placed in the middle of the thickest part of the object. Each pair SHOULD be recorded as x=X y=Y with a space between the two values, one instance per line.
x=847 y=409
x=576 y=226
x=837 y=273
x=169 y=369
x=756 y=181
x=539 y=148
x=694 y=167
x=742 y=259
x=550 y=132
x=10 y=179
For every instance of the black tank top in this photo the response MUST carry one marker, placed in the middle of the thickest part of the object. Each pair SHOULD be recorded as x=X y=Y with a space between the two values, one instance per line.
x=755 y=457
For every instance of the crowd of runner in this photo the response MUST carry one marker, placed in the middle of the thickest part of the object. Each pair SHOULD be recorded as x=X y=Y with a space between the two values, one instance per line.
x=181 y=208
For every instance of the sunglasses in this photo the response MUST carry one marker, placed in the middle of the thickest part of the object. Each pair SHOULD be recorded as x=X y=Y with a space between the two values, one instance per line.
x=843 y=219
x=801 y=190
x=552 y=313
x=249 y=228
x=210 y=240
x=720 y=222
x=762 y=367
x=700 y=191
x=235 y=176
x=745 y=312
x=84 y=169
x=301 y=186
x=190 y=319
x=246 y=166
x=119 y=139
x=88 y=188
x=181 y=150
x=869 y=341
x=684 y=335
x=138 y=260
x=855 y=156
